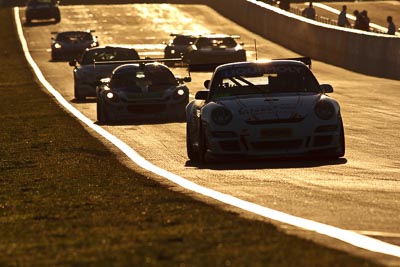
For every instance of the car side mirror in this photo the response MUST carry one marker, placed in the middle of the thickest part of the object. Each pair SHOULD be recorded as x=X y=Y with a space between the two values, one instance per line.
x=326 y=88
x=206 y=83
x=201 y=95
x=184 y=79
x=72 y=63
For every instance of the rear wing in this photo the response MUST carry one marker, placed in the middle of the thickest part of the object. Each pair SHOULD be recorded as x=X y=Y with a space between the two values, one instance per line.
x=56 y=32
x=139 y=61
x=73 y=63
x=210 y=67
x=305 y=60
x=203 y=67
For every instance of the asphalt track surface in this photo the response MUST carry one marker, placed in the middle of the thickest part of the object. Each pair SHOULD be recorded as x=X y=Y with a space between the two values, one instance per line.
x=359 y=192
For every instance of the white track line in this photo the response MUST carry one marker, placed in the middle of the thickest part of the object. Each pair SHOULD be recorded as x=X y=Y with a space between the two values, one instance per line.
x=347 y=236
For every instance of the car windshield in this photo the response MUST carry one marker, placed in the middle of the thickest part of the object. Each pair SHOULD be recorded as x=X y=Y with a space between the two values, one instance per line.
x=149 y=79
x=74 y=37
x=226 y=42
x=108 y=54
x=183 y=40
x=263 y=79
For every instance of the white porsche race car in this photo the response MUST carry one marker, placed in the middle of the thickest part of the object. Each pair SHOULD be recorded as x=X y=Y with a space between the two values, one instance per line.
x=264 y=109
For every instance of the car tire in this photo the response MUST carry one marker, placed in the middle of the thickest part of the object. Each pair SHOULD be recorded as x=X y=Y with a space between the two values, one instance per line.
x=340 y=150
x=101 y=114
x=202 y=146
x=78 y=96
x=191 y=153
x=57 y=17
x=54 y=57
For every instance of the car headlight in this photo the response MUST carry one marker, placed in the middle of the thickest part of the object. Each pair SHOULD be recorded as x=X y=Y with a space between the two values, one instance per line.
x=57 y=45
x=111 y=96
x=221 y=116
x=179 y=93
x=324 y=109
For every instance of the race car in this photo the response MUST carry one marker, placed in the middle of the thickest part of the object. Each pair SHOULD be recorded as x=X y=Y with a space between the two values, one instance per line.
x=215 y=49
x=97 y=63
x=142 y=91
x=264 y=109
x=42 y=10
x=178 y=47
x=69 y=45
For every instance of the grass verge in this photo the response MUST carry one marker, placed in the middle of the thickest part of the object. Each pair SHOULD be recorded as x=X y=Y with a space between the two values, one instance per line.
x=65 y=200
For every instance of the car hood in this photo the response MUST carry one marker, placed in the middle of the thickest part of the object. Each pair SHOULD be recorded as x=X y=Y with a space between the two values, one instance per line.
x=274 y=108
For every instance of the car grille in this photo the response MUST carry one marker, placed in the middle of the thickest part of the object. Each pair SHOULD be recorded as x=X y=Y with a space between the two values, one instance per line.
x=146 y=109
x=259 y=122
x=277 y=145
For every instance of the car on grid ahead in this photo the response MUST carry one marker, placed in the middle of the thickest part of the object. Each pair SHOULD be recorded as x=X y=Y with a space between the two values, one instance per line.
x=215 y=49
x=42 y=10
x=264 y=109
x=179 y=45
x=68 y=45
x=142 y=91
x=98 y=63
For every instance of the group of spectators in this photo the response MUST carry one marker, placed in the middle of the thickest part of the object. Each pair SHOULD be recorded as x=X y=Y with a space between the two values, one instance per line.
x=361 y=23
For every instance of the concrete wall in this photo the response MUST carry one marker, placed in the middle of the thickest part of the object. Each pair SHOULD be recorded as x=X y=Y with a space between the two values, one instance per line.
x=364 y=52
x=368 y=53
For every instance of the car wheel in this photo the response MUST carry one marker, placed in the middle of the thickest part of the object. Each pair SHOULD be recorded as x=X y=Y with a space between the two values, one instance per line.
x=202 y=146
x=78 y=96
x=101 y=113
x=192 y=155
x=57 y=17
x=342 y=143
x=340 y=150
x=54 y=57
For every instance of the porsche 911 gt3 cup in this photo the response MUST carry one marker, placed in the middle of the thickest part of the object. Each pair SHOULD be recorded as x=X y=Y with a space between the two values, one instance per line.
x=264 y=109
x=215 y=49
x=70 y=45
x=142 y=91
x=95 y=64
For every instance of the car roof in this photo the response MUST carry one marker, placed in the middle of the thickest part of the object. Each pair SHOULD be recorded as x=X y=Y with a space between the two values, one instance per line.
x=218 y=35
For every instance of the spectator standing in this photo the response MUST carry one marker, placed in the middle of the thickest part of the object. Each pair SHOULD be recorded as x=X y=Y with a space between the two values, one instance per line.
x=356 y=13
x=364 y=21
x=309 y=12
x=391 y=26
x=342 y=18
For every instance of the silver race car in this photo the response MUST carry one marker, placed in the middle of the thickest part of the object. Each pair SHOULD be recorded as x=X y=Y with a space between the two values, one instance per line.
x=215 y=49
x=95 y=64
x=264 y=109
x=142 y=91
